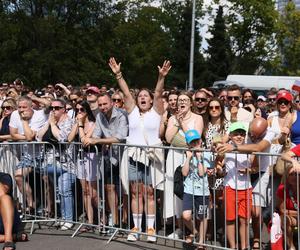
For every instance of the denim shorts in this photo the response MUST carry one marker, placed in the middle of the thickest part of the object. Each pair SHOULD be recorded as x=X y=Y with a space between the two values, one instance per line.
x=138 y=172
x=26 y=161
x=198 y=202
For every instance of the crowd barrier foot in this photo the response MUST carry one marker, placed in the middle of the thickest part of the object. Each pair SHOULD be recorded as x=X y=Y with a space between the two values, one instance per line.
x=113 y=235
x=76 y=231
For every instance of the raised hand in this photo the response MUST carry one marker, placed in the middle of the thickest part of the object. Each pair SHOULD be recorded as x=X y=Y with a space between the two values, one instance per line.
x=115 y=67
x=164 y=70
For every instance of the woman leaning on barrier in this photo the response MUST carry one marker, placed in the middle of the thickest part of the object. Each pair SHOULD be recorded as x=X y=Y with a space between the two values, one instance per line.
x=87 y=164
x=56 y=131
x=178 y=124
x=144 y=115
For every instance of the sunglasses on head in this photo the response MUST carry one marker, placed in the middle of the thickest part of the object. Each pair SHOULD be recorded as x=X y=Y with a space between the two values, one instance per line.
x=116 y=100
x=200 y=99
x=230 y=98
x=7 y=107
x=56 y=107
x=214 y=107
x=80 y=110
x=283 y=101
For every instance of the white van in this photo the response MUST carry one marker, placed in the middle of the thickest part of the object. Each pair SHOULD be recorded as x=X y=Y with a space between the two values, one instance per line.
x=258 y=83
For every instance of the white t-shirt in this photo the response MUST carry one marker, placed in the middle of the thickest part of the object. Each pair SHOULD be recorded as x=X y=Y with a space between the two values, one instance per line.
x=264 y=161
x=36 y=122
x=233 y=178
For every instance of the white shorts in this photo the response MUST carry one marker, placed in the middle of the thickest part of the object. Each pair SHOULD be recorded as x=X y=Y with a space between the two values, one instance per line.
x=87 y=168
x=260 y=190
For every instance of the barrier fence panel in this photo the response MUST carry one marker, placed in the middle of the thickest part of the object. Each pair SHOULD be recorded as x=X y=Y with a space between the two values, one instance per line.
x=158 y=194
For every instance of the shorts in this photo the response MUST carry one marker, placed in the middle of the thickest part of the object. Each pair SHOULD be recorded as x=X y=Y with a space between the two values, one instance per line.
x=260 y=189
x=198 y=202
x=138 y=172
x=26 y=161
x=87 y=168
x=111 y=173
x=239 y=201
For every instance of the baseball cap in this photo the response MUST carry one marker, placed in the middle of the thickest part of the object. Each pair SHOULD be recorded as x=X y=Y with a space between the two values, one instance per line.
x=285 y=95
x=93 y=89
x=237 y=126
x=191 y=135
x=261 y=97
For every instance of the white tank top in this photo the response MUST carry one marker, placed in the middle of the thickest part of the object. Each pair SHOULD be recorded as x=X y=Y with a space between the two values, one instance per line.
x=147 y=123
x=275 y=126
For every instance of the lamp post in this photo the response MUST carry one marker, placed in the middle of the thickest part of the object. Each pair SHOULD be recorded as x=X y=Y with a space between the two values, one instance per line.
x=191 y=71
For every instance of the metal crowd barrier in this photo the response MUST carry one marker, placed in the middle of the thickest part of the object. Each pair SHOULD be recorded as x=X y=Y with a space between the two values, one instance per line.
x=95 y=189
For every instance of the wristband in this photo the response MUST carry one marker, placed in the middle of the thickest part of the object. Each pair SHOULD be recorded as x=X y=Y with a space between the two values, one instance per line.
x=81 y=126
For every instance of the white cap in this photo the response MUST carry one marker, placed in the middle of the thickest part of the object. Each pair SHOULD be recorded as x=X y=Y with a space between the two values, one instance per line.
x=261 y=97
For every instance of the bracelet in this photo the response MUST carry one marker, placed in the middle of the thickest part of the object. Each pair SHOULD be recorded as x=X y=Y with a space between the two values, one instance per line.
x=119 y=76
x=81 y=126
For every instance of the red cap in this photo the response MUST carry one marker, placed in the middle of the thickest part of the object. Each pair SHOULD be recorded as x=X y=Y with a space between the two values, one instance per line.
x=285 y=95
x=93 y=89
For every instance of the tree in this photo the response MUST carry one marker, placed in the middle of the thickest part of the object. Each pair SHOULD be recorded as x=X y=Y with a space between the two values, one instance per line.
x=288 y=37
x=219 y=50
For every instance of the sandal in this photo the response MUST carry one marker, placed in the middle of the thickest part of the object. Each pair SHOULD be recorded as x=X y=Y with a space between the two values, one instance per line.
x=86 y=229
x=9 y=244
x=257 y=246
x=21 y=237
x=189 y=239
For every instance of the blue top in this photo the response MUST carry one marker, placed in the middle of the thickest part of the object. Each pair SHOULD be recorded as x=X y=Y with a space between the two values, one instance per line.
x=195 y=184
x=295 y=130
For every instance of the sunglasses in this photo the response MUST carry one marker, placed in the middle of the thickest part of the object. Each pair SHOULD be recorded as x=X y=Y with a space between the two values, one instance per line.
x=223 y=97
x=239 y=133
x=230 y=98
x=285 y=102
x=214 y=107
x=68 y=109
x=7 y=107
x=80 y=110
x=10 y=92
x=200 y=99
x=116 y=100
x=297 y=101
x=73 y=100
x=56 y=107
x=271 y=99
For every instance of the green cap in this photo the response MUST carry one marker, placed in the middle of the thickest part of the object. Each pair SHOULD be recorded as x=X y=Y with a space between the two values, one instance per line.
x=237 y=126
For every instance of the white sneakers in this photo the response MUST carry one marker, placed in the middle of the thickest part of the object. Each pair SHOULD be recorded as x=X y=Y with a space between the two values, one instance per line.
x=177 y=234
x=134 y=236
x=66 y=226
x=151 y=233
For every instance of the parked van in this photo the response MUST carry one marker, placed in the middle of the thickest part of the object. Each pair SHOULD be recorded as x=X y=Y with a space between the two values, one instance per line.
x=258 y=83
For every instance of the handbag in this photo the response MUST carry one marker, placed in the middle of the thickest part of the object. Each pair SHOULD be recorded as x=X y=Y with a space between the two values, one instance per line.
x=179 y=141
x=280 y=164
x=178 y=183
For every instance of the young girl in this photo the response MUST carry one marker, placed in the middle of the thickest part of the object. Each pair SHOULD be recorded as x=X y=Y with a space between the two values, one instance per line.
x=196 y=191
x=237 y=187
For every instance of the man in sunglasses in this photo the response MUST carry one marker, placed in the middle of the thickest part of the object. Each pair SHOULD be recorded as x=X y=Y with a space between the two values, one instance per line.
x=23 y=125
x=200 y=102
x=235 y=112
x=111 y=127
x=259 y=140
x=271 y=99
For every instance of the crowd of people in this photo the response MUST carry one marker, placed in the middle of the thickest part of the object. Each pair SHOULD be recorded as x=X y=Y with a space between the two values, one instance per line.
x=211 y=134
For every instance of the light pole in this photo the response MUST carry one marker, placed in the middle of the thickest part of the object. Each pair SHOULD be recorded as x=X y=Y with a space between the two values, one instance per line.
x=191 y=73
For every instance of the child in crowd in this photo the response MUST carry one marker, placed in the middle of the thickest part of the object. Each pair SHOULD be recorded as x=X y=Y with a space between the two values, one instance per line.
x=237 y=187
x=196 y=191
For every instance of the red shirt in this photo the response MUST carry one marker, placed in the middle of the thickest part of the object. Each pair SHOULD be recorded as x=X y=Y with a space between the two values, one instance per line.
x=289 y=203
x=296 y=150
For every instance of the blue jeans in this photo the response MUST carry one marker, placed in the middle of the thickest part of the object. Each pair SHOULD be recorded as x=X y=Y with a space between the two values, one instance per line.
x=65 y=182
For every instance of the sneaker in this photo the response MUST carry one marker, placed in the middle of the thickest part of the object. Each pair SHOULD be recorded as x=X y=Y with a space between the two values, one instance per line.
x=151 y=233
x=177 y=234
x=133 y=236
x=66 y=226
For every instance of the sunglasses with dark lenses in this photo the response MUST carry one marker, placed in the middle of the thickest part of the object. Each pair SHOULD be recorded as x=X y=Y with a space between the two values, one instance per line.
x=56 y=107
x=271 y=99
x=214 y=107
x=239 y=133
x=80 y=110
x=285 y=102
x=297 y=101
x=200 y=99
x=7 y=107
x=116 y=100
x=230 y=98
x=68 y=109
